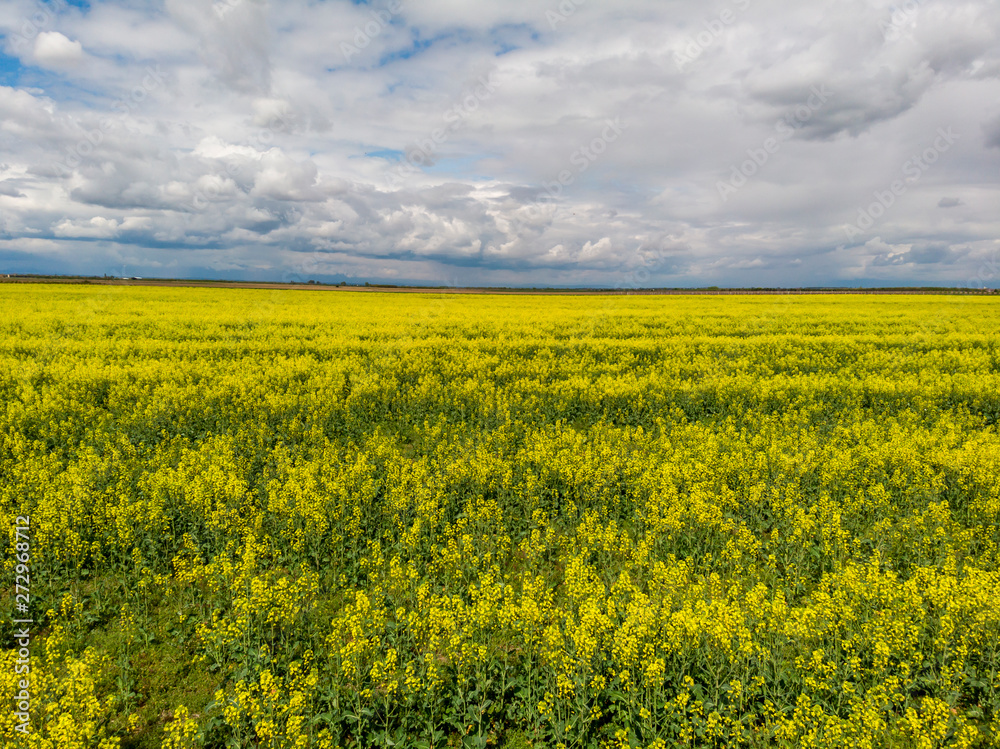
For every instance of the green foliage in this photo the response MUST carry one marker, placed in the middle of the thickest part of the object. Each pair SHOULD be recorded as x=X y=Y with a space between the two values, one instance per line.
x=262 y=518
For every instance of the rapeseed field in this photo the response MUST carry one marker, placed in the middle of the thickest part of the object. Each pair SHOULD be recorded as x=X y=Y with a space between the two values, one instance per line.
x=253 y=518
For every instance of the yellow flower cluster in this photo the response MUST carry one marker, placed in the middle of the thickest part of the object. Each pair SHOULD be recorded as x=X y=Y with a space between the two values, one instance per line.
x=276 y=711
x=66 y=711
x=624 y=521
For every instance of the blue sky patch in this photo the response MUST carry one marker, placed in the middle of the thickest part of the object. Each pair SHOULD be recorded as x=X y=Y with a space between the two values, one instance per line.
x=389 y=154
x=10 y=70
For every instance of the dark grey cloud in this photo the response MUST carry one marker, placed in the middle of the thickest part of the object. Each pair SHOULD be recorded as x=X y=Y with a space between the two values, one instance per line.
x=992 y=130
x=10 y=189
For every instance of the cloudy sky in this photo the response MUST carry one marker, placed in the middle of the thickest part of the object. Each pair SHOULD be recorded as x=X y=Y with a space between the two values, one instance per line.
x=504 y=142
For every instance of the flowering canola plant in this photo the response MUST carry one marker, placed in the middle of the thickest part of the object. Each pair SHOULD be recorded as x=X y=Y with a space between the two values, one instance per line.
x=355 y=520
